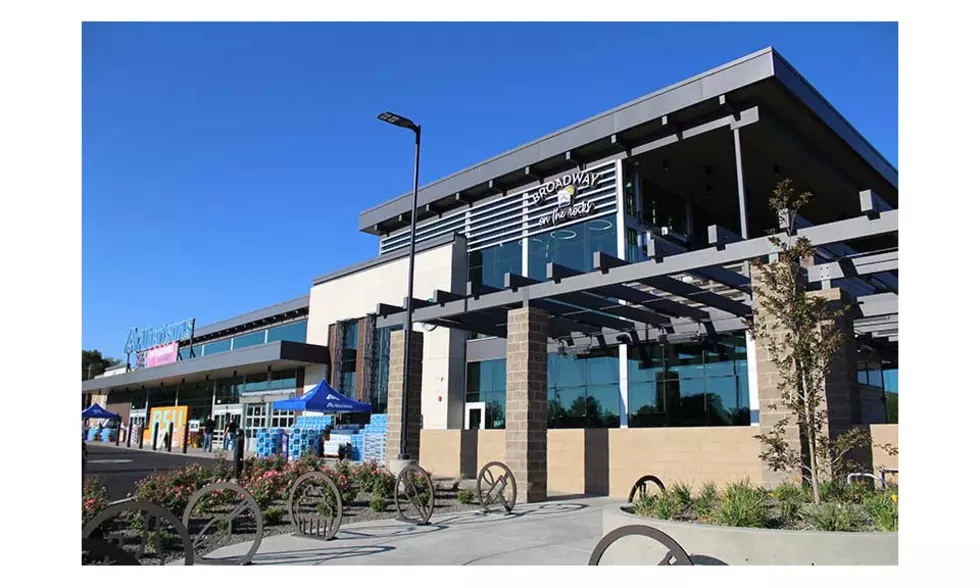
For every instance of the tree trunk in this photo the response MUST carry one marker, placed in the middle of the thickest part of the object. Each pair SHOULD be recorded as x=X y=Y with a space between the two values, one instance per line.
x=810 y=441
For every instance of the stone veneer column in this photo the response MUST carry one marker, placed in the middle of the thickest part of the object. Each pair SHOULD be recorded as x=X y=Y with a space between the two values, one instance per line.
x=396 y=375
x=527 y=402
x=841 y=392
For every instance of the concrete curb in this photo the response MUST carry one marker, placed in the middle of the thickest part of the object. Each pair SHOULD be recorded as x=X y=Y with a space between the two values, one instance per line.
x=715 y=545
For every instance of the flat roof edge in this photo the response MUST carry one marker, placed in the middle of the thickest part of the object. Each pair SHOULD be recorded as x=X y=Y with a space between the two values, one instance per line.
x=382 y=259
x=267 y=352
x=792 y=79
x=473 y=174
x=254 y=315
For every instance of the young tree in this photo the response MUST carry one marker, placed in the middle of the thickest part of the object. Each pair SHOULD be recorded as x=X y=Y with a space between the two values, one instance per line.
x=799 y=330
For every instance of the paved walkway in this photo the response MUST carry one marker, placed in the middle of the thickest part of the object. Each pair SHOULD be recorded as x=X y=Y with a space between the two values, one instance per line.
x=557 y=532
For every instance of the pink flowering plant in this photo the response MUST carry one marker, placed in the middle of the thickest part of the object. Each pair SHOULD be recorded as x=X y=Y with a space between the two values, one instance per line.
x=373 y=478
x=95 y=497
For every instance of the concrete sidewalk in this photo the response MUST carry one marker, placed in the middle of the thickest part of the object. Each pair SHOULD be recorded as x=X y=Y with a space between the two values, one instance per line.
x=557 y=532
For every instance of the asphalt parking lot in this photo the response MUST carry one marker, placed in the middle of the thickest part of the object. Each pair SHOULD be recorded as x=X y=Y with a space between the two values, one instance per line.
x=121 y=468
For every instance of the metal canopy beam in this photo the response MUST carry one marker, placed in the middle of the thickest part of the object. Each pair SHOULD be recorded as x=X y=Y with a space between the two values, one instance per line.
x=659 y=248
x=585 y=317
x=632 y=313
x=651 y=301
x=852 y=267
x=689 y=262
x=604 y=262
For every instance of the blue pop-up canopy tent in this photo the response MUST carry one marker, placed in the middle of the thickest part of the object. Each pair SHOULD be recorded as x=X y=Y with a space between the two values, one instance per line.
x=323 y=398
x=97 y=412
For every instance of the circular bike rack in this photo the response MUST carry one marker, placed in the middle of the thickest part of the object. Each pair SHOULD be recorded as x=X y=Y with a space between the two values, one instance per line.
x=116 y=554
x=315 y=506
x=500 y=489
x=414 y=504
x=220 y=517
x=676 y=556
x=640 y=487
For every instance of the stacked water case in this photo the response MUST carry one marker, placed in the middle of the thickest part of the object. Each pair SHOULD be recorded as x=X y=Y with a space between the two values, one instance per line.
x=303 y=442
x=375 y=437
x=268 y=442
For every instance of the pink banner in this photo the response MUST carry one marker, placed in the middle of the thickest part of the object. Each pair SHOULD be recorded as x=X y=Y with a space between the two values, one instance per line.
x=161 y=355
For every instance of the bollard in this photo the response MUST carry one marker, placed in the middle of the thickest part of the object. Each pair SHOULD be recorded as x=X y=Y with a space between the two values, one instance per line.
x=118 y=431
x=129 y=430
x=170 y=436
x=142 y=429
x=187 y=428
x=156 y=429
x=239 y=454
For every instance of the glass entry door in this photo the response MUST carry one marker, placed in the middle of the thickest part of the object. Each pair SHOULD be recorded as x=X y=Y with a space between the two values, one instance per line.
x=475 y=412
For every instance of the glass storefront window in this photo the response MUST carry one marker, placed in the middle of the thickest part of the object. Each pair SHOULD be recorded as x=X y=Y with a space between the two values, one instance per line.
x=572 y=245
x=689 y=384
x=254 y=419
x=256 y=382
x=583 y=392
x=290 y=332
x=486 y=381
x=488 y=266
x=248 y=340
x=284 y=379
x=379 y=373
x=229 y=390
x=217 y=346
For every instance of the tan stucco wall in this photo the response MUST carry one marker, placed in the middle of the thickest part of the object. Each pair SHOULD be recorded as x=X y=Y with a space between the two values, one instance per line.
x=566 y=461
x=439 y=452
x=491 y=446
x=354 y=295
x=692 y=455
x=881 y=434
x=601 y=462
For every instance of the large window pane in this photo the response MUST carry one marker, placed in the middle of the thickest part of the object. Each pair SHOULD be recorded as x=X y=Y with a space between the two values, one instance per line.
x=485 y=382
x=217 y=347
x=257 y=382
x=572 y=245
x=489 y=265
x=704 y=384
x=603 y=406
x=291 y=332
x=248 y=340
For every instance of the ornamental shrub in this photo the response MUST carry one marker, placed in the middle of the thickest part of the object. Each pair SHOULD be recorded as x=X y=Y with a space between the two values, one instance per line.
x=681 y=494
x=706 y=501
x=273 y=515
x=882 y=508
x=835 y=517
x=742 y=505
x=379 y=503
x=465 y=496
x=95 y=497
x=789 y=500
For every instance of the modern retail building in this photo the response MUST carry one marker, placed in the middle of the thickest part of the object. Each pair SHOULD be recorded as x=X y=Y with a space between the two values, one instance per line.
x=580 y=300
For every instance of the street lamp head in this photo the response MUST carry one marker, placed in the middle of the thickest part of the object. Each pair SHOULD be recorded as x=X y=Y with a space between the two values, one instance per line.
x=398 y=121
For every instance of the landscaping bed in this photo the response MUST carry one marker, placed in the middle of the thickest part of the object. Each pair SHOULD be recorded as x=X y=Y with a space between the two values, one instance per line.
x=366 y=493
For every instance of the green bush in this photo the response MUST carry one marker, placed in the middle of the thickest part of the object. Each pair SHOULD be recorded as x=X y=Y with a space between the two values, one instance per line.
x=681 y=494
x=882 y=507
x=273 y=515
x=833 y=516
x=645 y=506
x=465 y=496
x=379 y=503
x=790 y=498
x=742 y=505
x=833 y=490
x=706 y=501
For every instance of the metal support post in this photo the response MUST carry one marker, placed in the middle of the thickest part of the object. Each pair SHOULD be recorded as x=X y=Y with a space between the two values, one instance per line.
x=142 y=429
x=170 y=436
x=156 y=429
x=187 y=428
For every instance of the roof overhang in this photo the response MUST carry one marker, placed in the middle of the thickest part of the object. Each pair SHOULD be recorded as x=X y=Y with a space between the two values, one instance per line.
x=277 y=355
x=750 y=79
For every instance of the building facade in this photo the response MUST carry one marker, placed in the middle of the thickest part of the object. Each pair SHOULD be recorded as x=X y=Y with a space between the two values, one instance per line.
x=655 y=374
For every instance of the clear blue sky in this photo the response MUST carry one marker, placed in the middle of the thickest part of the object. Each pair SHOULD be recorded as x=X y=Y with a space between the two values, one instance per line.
x=224 y=165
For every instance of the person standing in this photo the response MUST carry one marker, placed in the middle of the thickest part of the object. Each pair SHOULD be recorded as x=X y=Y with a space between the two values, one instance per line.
x=231 y=429
x=208 y=432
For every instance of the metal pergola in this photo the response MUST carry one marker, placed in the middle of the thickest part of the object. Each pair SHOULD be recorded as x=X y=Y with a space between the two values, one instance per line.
x=678 y=293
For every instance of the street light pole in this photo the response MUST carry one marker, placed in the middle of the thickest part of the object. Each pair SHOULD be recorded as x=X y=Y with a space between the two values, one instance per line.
x=403 y=122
